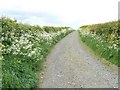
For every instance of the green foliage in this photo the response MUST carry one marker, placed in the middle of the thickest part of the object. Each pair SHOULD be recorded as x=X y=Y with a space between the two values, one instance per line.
x=18 y=74
x=24 y=49
x=0 y=74
x=103 y=39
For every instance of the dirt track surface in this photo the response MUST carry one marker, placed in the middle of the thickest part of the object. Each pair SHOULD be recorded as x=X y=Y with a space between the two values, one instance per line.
x=70 y=65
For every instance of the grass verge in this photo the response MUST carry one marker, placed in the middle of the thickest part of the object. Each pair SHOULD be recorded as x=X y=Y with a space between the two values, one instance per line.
x=101 y=49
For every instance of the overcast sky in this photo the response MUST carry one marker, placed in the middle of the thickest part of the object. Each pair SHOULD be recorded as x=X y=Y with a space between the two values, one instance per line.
x=73 y=13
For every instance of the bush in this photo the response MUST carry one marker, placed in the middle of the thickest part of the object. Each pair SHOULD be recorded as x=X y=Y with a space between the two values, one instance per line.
x=103 y=39
x=24 y=48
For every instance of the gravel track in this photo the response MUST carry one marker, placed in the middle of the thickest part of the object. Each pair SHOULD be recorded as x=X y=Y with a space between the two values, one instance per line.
x=71 y=65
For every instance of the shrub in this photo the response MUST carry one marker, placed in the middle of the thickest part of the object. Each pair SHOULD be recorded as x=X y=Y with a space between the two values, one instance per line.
x=103 y=39
x=24 y=48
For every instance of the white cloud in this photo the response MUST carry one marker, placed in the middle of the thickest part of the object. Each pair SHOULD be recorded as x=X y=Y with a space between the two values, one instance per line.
x=67 y=12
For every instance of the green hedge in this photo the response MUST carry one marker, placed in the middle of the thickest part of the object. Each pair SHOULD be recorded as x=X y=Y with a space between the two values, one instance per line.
x=24 y=49
x=103 y=39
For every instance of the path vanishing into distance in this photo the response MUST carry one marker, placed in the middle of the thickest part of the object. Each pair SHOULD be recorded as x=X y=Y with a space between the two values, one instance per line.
x=70 y=64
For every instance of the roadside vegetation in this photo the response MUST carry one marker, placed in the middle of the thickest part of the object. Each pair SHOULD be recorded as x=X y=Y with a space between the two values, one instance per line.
x=102 y=38
x=23 y=50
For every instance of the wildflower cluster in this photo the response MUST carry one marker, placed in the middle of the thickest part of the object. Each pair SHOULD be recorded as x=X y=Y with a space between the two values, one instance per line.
x=24 y=48
x=102 y=38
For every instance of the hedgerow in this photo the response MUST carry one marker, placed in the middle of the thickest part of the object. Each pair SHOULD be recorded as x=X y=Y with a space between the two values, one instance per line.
x=103 y=39
x=24 y=48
